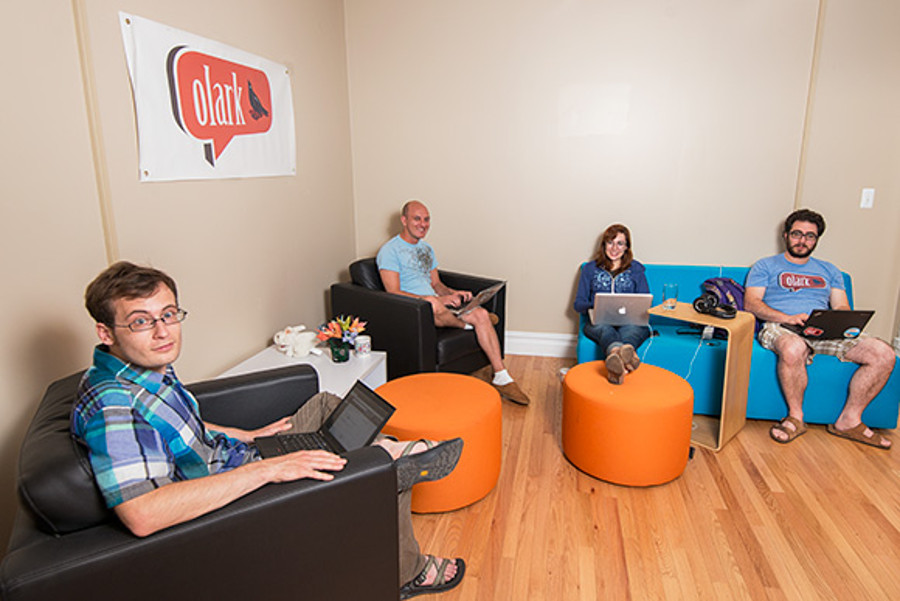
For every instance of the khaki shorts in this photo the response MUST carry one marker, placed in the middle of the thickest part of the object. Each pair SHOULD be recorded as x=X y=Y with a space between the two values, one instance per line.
x=771 y=331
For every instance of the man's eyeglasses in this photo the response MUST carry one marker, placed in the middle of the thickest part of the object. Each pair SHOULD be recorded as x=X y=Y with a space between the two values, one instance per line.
x=797 y=234
x=142 y=323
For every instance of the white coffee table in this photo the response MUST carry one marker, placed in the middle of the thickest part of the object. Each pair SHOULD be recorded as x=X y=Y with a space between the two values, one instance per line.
x=337 y=378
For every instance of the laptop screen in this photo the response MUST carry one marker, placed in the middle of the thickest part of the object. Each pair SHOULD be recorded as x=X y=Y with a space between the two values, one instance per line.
x=357 y=420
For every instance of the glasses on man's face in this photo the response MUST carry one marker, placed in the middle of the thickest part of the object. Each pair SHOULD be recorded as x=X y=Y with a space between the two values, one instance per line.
x=144 y=322
x=797 y=234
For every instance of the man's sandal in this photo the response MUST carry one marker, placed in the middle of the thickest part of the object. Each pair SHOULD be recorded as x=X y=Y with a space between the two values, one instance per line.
x=858 y=434
x=416 y=587
x=433 y=464
x=799 y=430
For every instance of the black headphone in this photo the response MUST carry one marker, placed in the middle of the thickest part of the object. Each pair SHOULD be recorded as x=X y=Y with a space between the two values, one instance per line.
x=708 y=303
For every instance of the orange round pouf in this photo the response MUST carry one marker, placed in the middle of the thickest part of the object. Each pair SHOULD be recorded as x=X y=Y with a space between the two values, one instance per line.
x=637 y=433
x=439 y=406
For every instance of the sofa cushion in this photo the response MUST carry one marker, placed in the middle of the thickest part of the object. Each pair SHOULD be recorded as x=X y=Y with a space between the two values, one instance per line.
x=55 y=477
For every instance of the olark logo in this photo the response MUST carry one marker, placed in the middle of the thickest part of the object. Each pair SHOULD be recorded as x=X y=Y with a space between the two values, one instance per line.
x=215 y=100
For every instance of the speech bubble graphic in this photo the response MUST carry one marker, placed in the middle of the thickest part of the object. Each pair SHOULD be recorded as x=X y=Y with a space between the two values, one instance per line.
x=799 y=281
x=215 y=100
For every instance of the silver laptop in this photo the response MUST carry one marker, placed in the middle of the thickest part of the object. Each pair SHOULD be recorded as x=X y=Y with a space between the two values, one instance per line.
x=621 y=309
x=479 y=299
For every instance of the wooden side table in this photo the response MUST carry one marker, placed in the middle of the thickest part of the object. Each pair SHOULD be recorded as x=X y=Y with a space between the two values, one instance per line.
x=336 y=378
x=710 y=431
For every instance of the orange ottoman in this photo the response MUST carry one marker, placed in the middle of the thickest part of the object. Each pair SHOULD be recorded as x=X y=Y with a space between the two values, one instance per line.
x=637 y=433
x=439 y=406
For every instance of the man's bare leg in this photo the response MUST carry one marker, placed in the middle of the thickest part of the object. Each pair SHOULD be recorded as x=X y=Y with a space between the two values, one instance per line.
x=791 y=368
x=876 y=361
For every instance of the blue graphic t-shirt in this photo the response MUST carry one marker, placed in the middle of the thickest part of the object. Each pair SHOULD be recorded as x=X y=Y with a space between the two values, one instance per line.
x=792 y=288
x=414 y=263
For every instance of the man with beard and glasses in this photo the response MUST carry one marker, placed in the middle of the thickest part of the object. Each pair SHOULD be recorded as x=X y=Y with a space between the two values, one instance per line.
x=785 y=289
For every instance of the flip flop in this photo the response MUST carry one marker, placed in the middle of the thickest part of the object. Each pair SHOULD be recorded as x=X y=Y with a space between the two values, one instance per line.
x=413 y=587
x=799 y=430
x=858 y=434
x=435 y=463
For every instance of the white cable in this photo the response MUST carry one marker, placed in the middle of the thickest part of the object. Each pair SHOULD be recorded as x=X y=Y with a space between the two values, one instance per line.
x=694 y=358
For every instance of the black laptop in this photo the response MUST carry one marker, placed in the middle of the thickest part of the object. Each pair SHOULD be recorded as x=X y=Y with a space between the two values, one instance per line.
x=829 y=324
x=353 y=424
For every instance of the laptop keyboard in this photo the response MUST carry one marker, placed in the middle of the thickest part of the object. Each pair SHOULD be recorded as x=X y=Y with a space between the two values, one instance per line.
x=302 y=442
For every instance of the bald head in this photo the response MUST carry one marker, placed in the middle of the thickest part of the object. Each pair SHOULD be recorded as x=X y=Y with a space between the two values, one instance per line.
x=416 y=221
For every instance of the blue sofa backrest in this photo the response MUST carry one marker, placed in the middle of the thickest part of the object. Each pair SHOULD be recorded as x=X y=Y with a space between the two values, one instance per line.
x=690 y=279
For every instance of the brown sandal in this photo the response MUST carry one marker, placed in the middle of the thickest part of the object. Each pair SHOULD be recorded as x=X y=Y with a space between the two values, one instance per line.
x=799 y=430
x=858 y=434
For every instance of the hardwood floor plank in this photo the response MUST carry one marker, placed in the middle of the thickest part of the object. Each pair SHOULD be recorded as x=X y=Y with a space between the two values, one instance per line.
x=818 y=518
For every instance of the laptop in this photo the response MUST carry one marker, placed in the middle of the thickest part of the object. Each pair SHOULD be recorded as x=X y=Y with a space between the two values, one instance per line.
x=621 y=309
x=353 y=424
x=830 y=324
x=478 y=300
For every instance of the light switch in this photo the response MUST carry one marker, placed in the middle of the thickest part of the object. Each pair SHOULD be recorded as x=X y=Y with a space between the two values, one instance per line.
x=867 y=199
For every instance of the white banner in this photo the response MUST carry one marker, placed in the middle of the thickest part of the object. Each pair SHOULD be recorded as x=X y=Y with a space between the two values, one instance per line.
x=206 y=110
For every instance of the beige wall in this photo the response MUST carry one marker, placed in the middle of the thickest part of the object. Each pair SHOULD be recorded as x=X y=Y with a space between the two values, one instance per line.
x=528 y=125
x=531 y=126
x=854 y=143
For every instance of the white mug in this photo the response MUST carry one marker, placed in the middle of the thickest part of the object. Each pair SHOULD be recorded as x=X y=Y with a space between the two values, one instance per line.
x=363 y=345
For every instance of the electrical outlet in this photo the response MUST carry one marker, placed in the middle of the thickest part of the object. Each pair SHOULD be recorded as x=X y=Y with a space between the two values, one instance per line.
x=867 y=199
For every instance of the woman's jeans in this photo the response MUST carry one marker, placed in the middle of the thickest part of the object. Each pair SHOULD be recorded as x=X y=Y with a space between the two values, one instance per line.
x=608 y=336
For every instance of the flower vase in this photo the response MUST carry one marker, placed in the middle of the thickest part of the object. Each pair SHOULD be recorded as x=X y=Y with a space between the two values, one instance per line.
x=340 y=351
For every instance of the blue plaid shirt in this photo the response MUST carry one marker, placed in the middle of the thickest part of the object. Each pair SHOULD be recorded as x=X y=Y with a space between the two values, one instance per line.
x=143 y=430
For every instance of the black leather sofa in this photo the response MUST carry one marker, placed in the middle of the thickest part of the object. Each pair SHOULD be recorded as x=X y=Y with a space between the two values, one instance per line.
x=334 y=541
x=404 y=326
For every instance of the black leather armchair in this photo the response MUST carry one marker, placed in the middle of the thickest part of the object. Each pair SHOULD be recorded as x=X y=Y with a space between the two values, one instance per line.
x=404 y=326
x=300 y=540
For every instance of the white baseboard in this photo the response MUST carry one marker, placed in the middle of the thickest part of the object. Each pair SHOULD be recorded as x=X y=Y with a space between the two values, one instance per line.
x=540 y=344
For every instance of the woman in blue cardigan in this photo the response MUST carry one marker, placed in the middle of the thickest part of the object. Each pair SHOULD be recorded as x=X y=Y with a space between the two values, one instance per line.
x=613 y=269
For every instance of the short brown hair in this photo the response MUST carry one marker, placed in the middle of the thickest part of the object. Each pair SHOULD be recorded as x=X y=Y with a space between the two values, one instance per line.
x=610 y=234
x=805 y=215
x=122 y=280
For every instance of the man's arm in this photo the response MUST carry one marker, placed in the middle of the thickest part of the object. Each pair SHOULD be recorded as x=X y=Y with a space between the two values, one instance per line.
x=446 y=294
x=248 y=435
x=753 y=302
x=838 y=300
x=185 y=500
x=391 y=281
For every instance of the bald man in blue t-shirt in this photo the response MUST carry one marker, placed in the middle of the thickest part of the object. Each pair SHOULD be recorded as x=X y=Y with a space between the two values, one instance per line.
x=408 y=266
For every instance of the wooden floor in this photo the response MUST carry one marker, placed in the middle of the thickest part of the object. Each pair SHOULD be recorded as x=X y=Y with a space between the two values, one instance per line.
x=816 y=519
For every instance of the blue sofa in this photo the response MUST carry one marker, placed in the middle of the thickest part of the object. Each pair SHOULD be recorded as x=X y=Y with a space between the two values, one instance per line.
x=678 y=348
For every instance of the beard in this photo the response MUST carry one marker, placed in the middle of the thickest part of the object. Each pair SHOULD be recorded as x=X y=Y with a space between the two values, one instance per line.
x=798 y=251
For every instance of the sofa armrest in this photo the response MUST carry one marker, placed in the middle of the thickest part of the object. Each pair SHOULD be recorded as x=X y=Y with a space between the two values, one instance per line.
x=307 y=539
x=256 y=399
x=401 y=325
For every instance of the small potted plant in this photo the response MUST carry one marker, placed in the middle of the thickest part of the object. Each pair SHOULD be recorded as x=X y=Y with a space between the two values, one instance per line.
x=340 y=333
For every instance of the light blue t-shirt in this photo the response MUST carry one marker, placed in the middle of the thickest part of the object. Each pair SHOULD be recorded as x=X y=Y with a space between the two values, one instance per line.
x=792 y=288
x=414 y=263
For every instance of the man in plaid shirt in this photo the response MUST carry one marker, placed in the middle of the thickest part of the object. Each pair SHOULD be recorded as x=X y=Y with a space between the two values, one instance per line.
x=155 y=461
